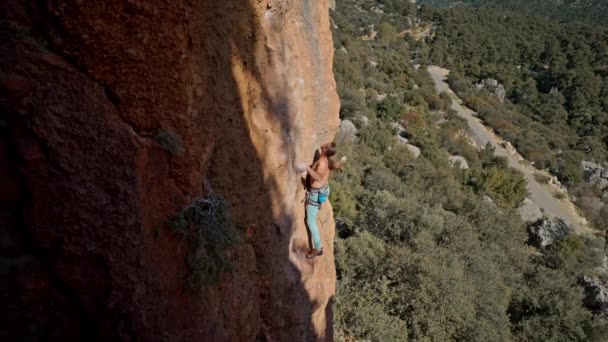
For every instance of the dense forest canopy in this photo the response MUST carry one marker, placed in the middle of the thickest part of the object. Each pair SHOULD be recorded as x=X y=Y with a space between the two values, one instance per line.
x=564 y=10
x=428 y=251
x=556 y=81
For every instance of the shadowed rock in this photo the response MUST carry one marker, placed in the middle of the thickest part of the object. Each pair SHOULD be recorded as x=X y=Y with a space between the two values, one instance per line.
x=546 y=231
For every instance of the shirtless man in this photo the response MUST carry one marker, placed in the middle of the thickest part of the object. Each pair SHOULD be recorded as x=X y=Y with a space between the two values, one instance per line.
x=318 y=191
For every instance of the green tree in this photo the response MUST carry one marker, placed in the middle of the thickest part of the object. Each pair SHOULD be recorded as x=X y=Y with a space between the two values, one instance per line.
x=505 y=186
x=389 y=108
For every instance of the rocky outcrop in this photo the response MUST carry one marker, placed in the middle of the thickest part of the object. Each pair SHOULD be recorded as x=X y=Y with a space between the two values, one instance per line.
x=596 y=175
x=547 y=231
x=494 y=87
x=414 y=150
x=458 y=161
x=401 y=139
x=402 y=135
x=119 y=113
x=596 y=294
x=529 y=211
x=347 y=132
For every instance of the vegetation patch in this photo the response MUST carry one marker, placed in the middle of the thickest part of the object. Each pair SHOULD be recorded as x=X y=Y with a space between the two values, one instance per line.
x=427 y=252
x=170 y=142
x=207 y=227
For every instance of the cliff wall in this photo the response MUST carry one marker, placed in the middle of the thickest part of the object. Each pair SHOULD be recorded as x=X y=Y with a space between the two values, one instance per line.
x=118 y=113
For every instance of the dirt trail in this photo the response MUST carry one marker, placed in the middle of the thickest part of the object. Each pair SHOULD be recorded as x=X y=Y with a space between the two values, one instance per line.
x=541 y=194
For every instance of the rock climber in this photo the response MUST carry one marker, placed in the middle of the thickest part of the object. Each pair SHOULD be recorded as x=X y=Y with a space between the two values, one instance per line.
x=318 y=191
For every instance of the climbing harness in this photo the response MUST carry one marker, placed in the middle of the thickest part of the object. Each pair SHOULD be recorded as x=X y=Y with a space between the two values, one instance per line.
x=323 y=194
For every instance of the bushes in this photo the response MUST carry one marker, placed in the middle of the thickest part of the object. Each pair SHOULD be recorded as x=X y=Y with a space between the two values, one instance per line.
x=398 y=160
x=421 y=254
x=363 y=312
x=551 y=307
x=555 y=79
x=389 y=108
x=569 y=169
x=377 y=136
x=505 y=186
x=434 y=102
x=447 y=99
x=208 y=229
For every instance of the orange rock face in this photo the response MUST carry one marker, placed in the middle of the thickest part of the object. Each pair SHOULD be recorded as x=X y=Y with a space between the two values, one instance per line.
x=89 y=89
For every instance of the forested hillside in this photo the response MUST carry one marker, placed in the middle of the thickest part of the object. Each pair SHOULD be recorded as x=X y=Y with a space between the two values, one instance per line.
x=555 y=79
x=565 y=10
x=430 y=250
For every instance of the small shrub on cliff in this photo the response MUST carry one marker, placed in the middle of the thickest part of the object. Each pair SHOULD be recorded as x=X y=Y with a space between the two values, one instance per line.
x=170 y=141
x=207 y=226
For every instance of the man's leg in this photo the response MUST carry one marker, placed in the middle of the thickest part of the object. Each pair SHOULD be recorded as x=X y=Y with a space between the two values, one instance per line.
x=311 y=221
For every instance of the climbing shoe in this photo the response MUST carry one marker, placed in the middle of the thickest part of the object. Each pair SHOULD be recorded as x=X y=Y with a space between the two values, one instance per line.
x=313 y=253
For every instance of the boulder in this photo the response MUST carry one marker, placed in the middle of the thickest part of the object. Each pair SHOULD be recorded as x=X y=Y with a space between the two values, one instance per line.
x=459 y=161
x=494 y=87
x=401 y=139
x=595 y=174
x=487 y=199
x=596 y=294
x=500 y=92
x=347 y=132
x=490 y=82
x=362 y=120
x=546 y=231
x=397 y=126
x=402 y=136
x=508 y=147
x=530 y=211
x=415 y=151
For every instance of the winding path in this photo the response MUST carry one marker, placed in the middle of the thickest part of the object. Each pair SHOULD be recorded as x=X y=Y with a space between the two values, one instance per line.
x=541 y=194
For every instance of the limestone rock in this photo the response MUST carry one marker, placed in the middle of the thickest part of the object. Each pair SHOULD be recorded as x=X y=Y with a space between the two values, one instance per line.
x=402 y=139
x=414 y=150
x=459 y=161
x=487 y=199
x=596 y=294
x=595 y=174
x=530 y=211
x=546 y=231
x=347 y=132
x=494 y=87
x=402 y=136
